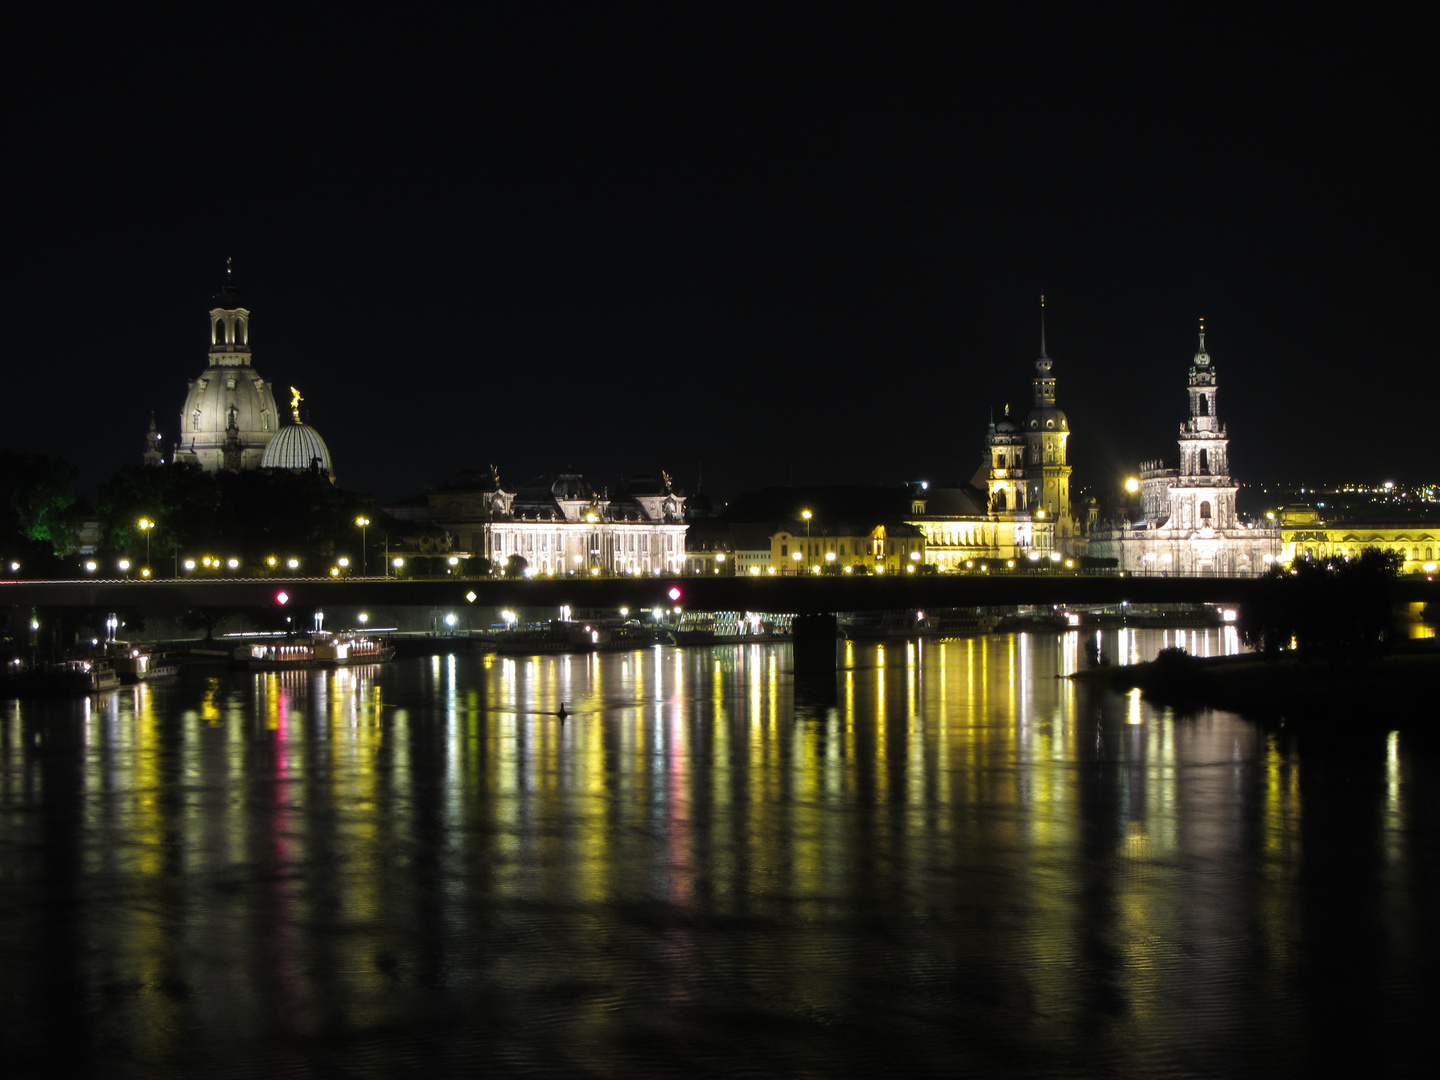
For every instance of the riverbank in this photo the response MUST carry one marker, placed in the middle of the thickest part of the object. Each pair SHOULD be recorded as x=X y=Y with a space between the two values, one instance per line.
x=1397 y=689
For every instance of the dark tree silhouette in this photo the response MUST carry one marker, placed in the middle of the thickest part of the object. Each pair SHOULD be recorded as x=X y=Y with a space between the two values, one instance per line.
x=1338 y=609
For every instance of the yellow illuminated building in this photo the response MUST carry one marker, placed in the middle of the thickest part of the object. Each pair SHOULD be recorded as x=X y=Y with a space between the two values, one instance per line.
x=890 y=549
x=1304 y=534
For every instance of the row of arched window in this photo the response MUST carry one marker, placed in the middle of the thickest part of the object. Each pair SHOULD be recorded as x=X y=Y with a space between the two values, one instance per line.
x=232 y=331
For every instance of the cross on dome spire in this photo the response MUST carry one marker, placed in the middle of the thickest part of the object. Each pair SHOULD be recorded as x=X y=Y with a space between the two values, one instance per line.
x=1042 y=327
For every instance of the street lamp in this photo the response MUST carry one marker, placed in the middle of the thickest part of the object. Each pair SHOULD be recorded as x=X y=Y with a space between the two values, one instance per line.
x=807 y=516
x=145 y=526
x=363 y=522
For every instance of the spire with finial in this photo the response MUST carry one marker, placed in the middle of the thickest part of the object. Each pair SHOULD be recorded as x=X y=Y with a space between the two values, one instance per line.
x=1201 y=356
x=1043 y=355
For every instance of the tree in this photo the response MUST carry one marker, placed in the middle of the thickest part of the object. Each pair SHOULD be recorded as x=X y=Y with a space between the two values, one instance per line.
x=38 y=504
x=205 y=618
x=182 y=500
x=1337 y=608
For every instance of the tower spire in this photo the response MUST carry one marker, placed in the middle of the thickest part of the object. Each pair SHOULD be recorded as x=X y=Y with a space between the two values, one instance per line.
x=1043 y=355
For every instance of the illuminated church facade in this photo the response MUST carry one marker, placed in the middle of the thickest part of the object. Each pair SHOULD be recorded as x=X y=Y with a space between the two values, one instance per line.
x=230 y=420
x=1188 y=523
x=1017 y=507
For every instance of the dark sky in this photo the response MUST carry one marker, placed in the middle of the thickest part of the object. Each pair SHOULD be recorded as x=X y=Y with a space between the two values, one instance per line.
x=782 y=244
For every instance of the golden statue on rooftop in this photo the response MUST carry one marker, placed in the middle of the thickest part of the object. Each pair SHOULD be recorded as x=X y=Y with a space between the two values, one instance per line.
x=295 y=400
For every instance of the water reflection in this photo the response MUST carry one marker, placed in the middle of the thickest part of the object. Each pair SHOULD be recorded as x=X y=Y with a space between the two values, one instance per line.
x=960 y=858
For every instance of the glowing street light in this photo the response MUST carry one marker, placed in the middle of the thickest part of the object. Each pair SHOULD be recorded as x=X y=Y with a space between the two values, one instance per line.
x=146 y=525
x=364 y=523
x=1132 y=485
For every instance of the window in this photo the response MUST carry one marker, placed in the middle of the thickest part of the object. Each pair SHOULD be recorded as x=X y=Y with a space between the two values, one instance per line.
x=1204 y=509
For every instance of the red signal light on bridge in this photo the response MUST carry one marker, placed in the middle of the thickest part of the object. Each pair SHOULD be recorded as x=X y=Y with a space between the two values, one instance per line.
x=674 y=595
x=282 y=598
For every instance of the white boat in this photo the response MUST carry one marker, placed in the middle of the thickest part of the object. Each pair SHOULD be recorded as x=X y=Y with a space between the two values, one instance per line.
x=92 y=676
x=136 y=663
x=313 y=650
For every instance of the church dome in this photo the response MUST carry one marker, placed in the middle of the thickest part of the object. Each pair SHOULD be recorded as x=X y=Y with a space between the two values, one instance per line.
x=298 y=447
x=226 y=394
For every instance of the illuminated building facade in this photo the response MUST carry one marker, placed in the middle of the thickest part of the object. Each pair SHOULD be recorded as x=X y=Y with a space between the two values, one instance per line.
x=298 y=447
x=1305 y=534
x=230 y=420
x=229 y=416
x=1189 y=523
x=565 y=527
x=891 y=549
x=1018 y=504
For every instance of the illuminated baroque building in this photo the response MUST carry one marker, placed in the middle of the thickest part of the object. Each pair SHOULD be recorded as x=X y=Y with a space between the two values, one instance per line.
x=1304 y=533
x=1188 y=521
x=298 y=447
x=230 y=420
x=891 y=549
x=1017 y=507
x=229 y=414
x=565 y=527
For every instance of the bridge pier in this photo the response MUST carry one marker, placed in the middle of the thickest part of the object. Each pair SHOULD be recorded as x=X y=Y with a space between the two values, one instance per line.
x=814 y=643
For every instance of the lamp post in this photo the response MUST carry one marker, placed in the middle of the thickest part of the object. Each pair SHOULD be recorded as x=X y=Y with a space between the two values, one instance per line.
x=145 y=526
x=807 y=516
x=363 y=522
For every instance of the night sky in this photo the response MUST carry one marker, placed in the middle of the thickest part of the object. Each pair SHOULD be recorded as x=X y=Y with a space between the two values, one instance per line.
x=797 y=245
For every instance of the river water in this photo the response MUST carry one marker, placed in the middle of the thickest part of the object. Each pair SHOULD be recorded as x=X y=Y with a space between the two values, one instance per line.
x=957 y=864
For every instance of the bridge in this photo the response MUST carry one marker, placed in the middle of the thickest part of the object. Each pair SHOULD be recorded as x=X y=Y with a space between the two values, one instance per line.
x=775 y=595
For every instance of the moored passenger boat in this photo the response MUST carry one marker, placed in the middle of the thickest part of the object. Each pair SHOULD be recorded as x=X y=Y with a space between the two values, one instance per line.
x=137 y=663
x=85 y=676
x=313 y=651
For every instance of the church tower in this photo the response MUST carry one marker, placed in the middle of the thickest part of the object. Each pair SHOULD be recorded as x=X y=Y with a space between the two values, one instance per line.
x=1047 y=476
x=1201 y=495
x=229 y=414
x=1005 y=482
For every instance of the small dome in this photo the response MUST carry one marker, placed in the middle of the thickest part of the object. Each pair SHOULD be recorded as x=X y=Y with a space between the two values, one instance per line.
x=298 y=447
x=1005 y=427
x=569 y=486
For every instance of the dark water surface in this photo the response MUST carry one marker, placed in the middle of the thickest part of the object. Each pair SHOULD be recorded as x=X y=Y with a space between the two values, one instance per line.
x=961 y=866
